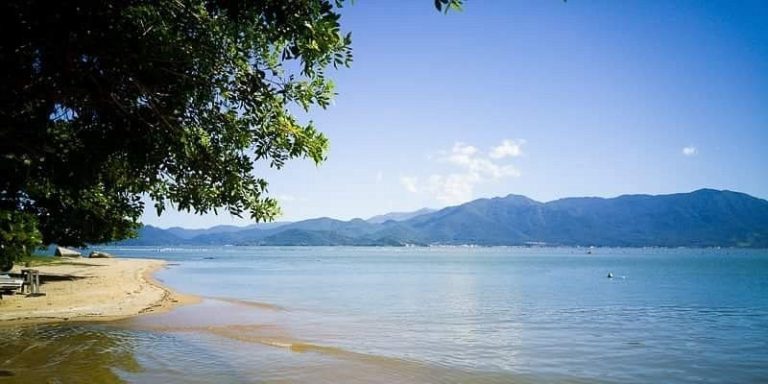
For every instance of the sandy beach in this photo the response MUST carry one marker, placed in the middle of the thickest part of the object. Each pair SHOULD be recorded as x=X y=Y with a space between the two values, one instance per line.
x=92 y=289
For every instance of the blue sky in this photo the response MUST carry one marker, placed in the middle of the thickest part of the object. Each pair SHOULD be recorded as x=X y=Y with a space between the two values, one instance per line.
x=539 y=98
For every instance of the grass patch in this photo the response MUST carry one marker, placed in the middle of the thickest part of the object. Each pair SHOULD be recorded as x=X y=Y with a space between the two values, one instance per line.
x=37 y=260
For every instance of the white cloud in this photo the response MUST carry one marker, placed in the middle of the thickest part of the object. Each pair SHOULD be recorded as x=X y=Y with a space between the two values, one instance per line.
x=410 y=184
x=454 y=188
x=690 y=151
x=379 y=177
x=466 y=156
x=472 y=168
x=508 y=148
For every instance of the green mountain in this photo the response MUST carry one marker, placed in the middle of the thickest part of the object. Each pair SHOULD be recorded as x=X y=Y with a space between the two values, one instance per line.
x=701 y=218
x=149 y=235
x=399 y=216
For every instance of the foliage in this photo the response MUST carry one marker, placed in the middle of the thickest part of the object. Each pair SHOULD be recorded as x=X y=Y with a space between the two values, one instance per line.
x=104 y=102
x=447 y=5
x=18 y=237
x=36 y=260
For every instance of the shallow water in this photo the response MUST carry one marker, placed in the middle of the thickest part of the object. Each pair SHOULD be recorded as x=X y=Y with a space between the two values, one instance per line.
x=410 y=315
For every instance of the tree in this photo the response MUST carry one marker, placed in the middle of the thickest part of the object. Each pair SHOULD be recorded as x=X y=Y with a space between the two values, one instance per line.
x=104 y=102
x=18 y=237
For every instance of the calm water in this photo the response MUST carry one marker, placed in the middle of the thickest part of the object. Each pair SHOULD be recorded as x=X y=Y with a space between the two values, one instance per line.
x=412 y=315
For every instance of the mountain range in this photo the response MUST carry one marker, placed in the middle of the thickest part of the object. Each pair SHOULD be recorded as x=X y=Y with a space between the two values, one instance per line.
x=703 y=218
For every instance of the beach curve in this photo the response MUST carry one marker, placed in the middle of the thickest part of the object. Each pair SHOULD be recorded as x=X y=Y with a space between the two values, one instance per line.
x=82 y=289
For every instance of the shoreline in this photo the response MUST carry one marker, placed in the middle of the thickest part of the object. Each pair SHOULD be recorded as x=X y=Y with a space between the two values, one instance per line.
x=93 y=290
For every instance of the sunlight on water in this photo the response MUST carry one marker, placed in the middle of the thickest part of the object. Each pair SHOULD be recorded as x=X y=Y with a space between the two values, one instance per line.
x=390 y=315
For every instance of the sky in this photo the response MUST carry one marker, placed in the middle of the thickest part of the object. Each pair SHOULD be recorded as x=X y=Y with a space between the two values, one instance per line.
x=546 y=99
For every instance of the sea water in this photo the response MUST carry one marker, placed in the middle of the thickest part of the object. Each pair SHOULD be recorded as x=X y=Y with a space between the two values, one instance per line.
x=415 y=315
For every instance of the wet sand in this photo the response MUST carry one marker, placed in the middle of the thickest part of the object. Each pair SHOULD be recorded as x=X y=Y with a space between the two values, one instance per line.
x=80 y=289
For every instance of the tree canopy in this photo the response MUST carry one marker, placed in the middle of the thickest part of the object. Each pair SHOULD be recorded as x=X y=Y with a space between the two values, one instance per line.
x=106 y=102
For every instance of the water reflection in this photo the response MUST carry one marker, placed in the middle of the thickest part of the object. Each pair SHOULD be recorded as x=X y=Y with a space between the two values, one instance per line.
x=426 y=316
x=215 y=341
x=65 y=354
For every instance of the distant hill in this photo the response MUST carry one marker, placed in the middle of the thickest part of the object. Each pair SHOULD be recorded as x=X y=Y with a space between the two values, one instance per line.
x=701 y=218
x=399 y=216
x=185 y=233
x=149 y=235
